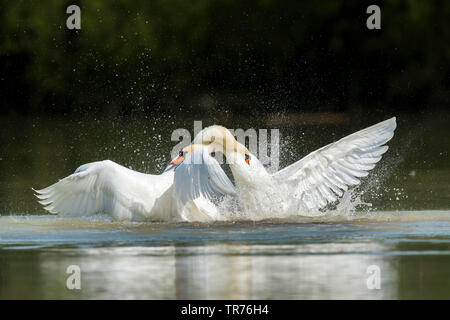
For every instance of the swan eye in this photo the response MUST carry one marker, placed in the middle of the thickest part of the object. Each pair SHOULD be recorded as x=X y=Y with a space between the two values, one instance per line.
x=247 y=158
x=181 y=153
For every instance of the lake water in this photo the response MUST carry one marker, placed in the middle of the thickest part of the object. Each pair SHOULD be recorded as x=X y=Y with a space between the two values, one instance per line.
x=405 y=234
x=302 y=258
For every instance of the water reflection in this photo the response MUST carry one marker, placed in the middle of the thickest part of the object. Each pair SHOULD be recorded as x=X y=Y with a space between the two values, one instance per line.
x=319 y=271
x=324 y=259
x=299 y=272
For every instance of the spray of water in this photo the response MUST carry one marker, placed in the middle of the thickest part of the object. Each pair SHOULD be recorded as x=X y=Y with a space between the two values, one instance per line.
x=262 y=197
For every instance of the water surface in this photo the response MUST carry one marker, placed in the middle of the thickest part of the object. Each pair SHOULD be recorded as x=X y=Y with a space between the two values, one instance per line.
x=298 y=258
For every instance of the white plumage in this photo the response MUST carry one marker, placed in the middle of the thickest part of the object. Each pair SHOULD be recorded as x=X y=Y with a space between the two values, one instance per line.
x=308 y=184
x=185 y=193
x=200 y=175
x=323 y=175
x=106 y=186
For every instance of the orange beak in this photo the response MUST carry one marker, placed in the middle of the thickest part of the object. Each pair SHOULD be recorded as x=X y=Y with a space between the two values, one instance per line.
x=177 y=161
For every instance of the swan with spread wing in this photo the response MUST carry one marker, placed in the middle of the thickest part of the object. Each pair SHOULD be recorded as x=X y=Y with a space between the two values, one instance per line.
x=306 y=186
x=105 y=186
x=187 y=188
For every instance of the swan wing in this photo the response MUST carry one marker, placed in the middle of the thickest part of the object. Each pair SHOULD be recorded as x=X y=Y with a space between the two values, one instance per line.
x=324 y=174
x=92 y=188
x=200 y=175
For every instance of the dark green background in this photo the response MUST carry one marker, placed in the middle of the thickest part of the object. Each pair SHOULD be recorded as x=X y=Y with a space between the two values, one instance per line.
x=137 y=70
x=177 y=56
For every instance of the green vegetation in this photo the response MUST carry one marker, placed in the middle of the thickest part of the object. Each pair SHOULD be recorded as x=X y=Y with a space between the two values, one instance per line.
x=173 y=56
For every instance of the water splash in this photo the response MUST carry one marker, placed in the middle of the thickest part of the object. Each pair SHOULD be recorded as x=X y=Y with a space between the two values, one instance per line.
x=264 y=199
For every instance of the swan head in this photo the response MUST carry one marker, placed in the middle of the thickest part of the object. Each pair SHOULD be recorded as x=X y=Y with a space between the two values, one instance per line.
x=216 y=139
x=220 y=139
x=183 y=154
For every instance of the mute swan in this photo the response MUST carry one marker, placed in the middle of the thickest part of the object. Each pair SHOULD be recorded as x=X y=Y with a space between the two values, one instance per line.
x=304 y=186
x=105 y=186
x=183 y=191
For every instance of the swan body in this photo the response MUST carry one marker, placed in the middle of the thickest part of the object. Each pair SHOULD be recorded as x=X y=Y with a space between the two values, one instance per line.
x=310 y=184
x=105 y=186
x=190 y=191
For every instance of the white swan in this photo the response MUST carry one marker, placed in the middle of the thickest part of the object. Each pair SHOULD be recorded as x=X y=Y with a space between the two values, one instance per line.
x=309 y=184
x=105 y=186
x=306 y=185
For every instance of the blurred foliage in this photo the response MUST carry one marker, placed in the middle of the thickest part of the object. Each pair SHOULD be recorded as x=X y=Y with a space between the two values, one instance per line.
x=190 y=56
x=37 y=151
